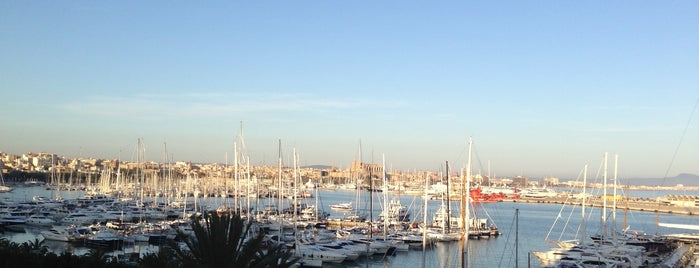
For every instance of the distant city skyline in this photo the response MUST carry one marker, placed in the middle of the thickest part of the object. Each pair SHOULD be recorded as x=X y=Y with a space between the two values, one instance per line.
x=543 y=88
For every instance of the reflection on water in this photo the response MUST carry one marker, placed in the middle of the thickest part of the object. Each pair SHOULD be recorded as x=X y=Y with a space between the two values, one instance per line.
x=445 y=253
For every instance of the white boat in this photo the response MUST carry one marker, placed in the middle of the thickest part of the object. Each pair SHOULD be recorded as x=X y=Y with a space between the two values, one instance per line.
x=94 y=199
x=40 y=220
x=350 y=253
x=361 y=249
x=538 y=193
x=395 y=212
x=57 y=234
x=79 y=218
x=8 y=220
x=602 y=250
x=620 y=255
x=412 y=240
x=445 y=226
x=314 y=252
x=105 y=238
x=3 y=187
x=342 y=206
x=32 y=182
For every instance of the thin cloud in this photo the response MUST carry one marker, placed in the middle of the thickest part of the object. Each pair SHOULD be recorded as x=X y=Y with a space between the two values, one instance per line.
x=621 y=130
x=209 y=104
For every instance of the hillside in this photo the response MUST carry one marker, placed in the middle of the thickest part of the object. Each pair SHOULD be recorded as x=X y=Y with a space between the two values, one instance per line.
x=684 y=179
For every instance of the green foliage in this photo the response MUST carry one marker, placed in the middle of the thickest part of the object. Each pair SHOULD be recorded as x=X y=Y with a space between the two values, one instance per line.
x=222 y=241
x=35 y=254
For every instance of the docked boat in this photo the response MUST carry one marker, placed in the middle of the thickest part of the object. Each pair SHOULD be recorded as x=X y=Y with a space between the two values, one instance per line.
x=342 y=206
x=105 y=239
x=94 y=199
x=3 y=188
x=350 y=253
x=9 y=220
x=478 y=195
x=57 y=234
x=395 y=212
x=538 y=193
x=318 y=253
x=40 y=220
x=78 y=218
x=66 y=234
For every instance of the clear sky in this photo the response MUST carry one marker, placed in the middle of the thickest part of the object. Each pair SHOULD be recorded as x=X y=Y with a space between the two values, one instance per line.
x=543 y=87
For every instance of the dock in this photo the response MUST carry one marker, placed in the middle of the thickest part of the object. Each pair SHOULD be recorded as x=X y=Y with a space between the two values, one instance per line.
x=334 y=223
x=645 y=205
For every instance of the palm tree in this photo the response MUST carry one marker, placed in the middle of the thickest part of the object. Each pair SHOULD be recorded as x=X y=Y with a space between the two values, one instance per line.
x=222 y=241
x=96 y=258
x=35 y=247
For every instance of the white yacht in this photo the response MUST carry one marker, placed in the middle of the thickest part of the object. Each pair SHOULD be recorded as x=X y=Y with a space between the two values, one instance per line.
x=40 y=220
x=56 y=234
x=538 y=193
x=313 y=252
x=79 y=218
x=342 y=206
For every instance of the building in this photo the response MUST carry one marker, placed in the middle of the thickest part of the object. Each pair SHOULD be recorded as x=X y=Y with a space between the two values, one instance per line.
x=520 y=181
x=551 y=181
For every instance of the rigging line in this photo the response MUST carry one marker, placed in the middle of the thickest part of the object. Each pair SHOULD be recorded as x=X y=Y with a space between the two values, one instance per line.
x=674 y=155
x=507 y=242
x=480 y=163
x=560 y=217
x=458 y=158
x=580 y=226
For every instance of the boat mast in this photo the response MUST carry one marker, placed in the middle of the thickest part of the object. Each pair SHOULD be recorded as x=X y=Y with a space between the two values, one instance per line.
x=448 y=223
x=614 y=230
x=357 y=186
x=584 y=197
x=279 y=192
x=387 y=213
x=626 y=208
x=235 y=177
x=603 y=224
x=516 y=238
x=424 y=222
x=371 y=198
x=467 y=216
x=247 y=190
x=296 y=187
x=463 y=206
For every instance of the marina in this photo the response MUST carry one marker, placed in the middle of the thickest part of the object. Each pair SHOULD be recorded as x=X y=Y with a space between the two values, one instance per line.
x=534 y=224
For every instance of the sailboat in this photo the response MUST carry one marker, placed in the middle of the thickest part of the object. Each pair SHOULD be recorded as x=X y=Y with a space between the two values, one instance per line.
x=445 y=225
x=476 y=227
x=608 y=249
x=353 y=213
x=3 y=188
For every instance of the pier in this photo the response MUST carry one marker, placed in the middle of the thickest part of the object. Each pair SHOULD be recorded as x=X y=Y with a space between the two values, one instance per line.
x=645 y=205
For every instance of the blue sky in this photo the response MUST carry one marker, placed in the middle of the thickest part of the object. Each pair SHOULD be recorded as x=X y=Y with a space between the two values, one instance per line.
x=543 y=87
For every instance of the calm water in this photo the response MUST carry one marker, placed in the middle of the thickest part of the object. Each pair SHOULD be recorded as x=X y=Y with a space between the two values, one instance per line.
x=536 y=223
